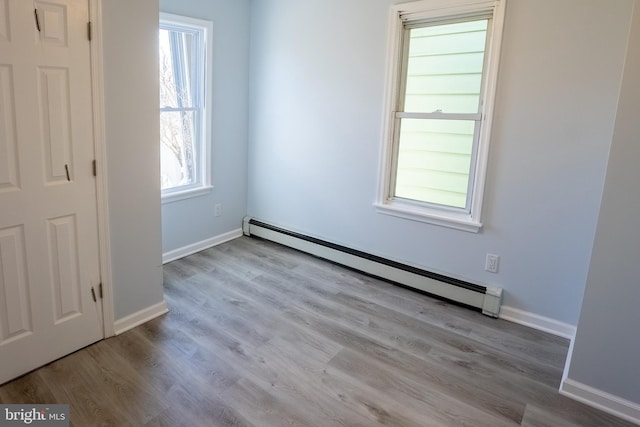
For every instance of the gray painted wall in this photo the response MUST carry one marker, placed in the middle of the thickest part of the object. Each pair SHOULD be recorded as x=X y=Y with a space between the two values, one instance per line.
x=606 y=353
x=130 y=31
x=316 y=88
x=190 y=221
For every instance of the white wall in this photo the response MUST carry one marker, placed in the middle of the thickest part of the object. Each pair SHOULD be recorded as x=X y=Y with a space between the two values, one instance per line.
x=190 y=221
x=130 y=36
x=606 y=352
x=317 y=79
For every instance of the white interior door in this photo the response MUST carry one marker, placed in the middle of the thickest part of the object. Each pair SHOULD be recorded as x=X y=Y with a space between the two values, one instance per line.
x=49 y=268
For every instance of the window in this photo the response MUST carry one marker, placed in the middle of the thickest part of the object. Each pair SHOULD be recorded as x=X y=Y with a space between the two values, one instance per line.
x=184 y=52
x=443 y=60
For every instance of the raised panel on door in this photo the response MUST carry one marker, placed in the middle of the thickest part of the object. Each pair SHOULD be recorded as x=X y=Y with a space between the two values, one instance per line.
x=65 y=273
x=8 y=143
x=55 y=123
x=15 y=313
x=5 y=23
x=52 y=18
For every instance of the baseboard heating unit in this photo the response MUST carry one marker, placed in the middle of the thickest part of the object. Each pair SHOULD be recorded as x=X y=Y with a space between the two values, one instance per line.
x=481 y=298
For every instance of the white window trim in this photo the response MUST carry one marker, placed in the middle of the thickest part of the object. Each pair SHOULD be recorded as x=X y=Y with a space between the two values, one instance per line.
x=427 y=10
x=205 y=162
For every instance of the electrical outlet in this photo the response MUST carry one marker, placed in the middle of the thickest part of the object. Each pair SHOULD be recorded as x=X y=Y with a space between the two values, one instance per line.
x=492 y=262
x=217 y=209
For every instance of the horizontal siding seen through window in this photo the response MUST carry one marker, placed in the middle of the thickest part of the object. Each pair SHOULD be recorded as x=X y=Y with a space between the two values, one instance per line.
x=443 y=74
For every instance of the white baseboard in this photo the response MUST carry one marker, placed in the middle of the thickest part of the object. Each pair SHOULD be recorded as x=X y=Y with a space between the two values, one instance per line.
x=567 y=361
x=538 y=322
x=599 y=399
x=200 y=246
x=142 y=316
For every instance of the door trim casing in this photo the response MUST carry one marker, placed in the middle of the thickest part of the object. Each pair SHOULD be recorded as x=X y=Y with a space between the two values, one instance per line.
x=100 y=149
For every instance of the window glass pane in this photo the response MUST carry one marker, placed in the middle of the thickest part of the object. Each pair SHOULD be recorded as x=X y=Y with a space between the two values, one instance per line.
x=178 y=78
x=434 y=160
x=177 y=148
x=182 y=56
x=444 y=68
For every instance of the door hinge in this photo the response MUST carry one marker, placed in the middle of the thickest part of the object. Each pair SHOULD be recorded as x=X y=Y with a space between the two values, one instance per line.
x=100 y=290
x=94 y=167
x=89 y=30
x=35 y=13
x=93 y=294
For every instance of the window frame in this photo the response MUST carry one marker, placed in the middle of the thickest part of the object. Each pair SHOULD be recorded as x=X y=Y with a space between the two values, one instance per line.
x=435 y=12
x=203 y=130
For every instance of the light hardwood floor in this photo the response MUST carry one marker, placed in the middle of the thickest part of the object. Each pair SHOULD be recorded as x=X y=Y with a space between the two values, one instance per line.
x=262 y=335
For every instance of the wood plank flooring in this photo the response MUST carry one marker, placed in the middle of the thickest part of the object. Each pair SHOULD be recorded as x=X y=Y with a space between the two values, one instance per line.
x=262 y=335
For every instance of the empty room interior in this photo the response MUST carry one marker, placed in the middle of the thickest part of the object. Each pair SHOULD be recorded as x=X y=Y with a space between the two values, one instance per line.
x=324 y=212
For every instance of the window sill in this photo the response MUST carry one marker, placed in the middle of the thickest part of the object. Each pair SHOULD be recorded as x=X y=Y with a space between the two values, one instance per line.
x=186 y=194
x=458 y=221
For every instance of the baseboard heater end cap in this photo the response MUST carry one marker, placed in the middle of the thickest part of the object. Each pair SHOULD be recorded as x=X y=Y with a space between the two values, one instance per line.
x=492 y=302
x=246 y=227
